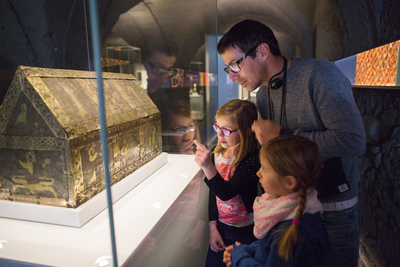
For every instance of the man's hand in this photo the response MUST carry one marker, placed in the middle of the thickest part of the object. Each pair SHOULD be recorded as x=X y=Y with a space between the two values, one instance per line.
x=265 y=130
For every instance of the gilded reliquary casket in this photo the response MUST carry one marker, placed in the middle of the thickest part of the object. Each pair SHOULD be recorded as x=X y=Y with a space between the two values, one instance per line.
x=50 y=148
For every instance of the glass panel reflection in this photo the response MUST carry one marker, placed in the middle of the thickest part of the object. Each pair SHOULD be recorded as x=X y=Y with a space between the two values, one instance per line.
x=177 y=69
x=180 y=238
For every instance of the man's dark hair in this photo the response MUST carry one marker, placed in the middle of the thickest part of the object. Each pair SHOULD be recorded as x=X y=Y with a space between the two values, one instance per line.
x=247 y=34
x=154 y=46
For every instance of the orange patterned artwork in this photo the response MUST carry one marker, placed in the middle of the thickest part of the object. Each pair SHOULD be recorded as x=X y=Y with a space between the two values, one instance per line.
x=378 y=66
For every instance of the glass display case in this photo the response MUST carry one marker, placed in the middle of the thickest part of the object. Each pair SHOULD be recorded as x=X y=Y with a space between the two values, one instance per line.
x=124 y=59
x=169 y=205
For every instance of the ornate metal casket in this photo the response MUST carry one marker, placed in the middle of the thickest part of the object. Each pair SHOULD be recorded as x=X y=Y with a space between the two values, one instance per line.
x=50 y=148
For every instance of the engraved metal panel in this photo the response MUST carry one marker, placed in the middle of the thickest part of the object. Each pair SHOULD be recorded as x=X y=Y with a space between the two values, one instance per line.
x=50 y=148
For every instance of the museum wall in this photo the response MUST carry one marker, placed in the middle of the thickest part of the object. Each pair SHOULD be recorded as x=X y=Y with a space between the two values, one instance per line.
x=53 y=33
x=379 y=197
x=327 y=33
x=366 y=24
x=345 y=28
x=50 y=34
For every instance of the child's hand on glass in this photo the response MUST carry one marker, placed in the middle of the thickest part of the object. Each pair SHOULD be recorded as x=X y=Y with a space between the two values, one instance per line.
x=203 y=155
x=203 y=159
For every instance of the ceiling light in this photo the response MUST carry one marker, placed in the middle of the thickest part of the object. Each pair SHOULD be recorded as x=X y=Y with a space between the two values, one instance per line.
x=103 y=261
x=2 y=243
x=158 y=205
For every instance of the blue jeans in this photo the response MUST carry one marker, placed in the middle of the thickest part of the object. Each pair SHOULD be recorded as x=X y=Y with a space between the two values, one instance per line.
x=229 y=235
x=343 y=228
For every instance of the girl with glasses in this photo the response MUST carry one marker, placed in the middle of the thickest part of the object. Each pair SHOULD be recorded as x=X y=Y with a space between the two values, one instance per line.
x=230 y=171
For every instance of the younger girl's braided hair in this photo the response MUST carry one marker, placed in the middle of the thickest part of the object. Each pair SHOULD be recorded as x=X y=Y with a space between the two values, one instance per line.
x=299 y=157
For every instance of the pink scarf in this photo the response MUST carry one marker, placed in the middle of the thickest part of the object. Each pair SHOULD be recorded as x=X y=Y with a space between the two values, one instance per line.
x=269 y=210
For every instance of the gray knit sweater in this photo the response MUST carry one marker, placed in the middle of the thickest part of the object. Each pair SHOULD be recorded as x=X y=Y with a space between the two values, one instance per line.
x=320 y=106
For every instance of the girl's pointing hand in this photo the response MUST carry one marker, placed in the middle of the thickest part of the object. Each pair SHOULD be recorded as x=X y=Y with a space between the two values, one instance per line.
x=203 y=159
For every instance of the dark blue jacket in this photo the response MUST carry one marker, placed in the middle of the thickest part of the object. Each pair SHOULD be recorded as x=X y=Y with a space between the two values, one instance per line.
x=313 y=241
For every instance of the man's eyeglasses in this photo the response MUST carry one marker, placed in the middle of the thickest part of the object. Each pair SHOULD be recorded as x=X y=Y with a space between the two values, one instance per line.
x=234 y=66
x=225 y=132
x=183 y=130
x=158 y=70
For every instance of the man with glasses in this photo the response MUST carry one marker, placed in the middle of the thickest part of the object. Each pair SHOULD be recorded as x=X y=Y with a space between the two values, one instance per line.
x=311 y=98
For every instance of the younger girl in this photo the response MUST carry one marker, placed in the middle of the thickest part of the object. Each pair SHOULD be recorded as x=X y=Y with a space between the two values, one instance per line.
x=231 y=176
x=287 y=217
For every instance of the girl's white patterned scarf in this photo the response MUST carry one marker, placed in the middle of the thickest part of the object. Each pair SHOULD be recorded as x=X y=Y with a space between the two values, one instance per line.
x=269 y=210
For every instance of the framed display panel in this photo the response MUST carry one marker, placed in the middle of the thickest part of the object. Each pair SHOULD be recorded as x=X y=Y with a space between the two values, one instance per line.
x=378 y=67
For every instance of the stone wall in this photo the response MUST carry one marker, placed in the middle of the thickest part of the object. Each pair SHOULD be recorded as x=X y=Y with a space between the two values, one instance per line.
x=379 y=195
x=364 y=24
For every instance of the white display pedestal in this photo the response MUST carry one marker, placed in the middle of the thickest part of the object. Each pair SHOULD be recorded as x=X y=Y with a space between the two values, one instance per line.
x=135 y=214
x=77 y=217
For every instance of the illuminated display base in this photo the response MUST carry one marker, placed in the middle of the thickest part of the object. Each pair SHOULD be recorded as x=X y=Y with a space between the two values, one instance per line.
x=135 y=215
x=77 y=217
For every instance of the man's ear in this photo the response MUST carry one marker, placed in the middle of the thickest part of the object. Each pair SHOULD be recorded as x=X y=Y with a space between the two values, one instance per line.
x=290 y=182
x=264 y=50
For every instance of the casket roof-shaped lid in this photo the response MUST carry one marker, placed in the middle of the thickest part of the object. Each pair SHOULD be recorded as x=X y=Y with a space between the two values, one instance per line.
x=72 y=97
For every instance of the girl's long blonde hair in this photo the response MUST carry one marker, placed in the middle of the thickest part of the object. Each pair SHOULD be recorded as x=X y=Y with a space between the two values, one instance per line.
x=299 y=157
x=242 y=115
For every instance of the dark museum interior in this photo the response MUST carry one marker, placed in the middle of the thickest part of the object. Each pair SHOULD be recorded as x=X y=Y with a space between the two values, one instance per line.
x=58 y=35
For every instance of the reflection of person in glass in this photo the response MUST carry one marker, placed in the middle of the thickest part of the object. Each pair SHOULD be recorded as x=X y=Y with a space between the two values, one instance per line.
x=179 y=129
x=159 y=62
x=179 y=237
x=159 y=67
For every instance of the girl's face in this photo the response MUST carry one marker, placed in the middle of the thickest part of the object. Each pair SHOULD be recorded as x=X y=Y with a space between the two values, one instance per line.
x=270 y=181
x=231 y=141
x=181 y=123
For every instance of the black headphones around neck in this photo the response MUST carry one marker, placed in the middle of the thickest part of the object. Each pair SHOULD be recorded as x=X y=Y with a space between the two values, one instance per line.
x=277 y=82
